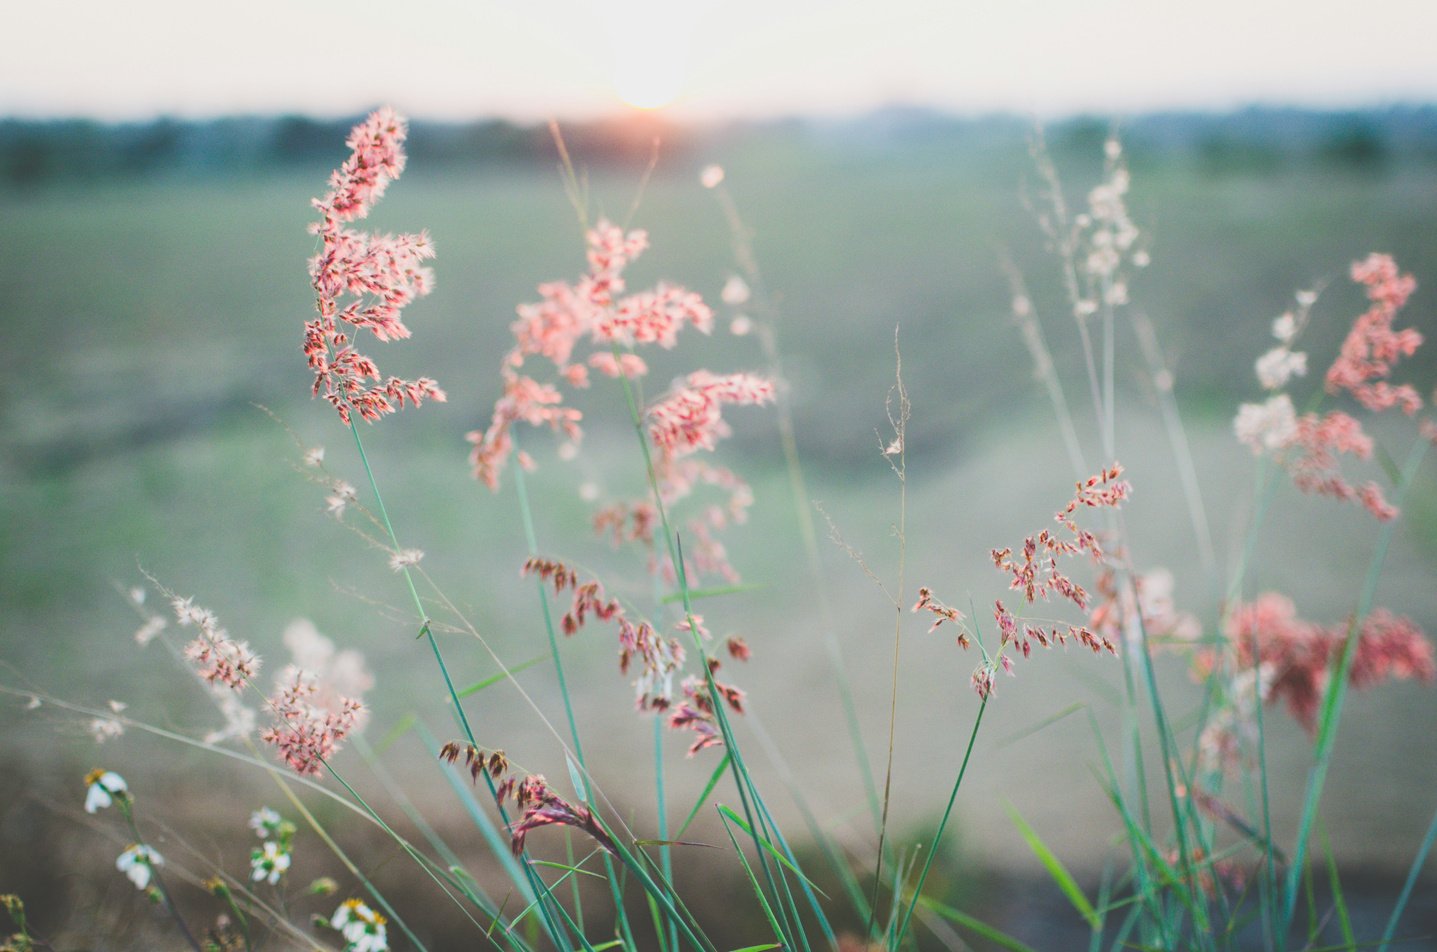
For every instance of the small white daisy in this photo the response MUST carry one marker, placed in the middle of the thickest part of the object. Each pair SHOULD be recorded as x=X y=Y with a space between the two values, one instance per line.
x=138 y=863
x=104 y=786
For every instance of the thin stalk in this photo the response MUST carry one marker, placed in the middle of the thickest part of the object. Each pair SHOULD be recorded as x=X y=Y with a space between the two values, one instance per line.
x=676 y=560
x=1406 y=894
x=901 y=469
x=666 y=860
x=123 y=801
x=938 y=835
x=1170 y=763
x=531 y=538
x=535 y=883
x=349 y=864
x=803 y=505
x=1337 y=692
x=527 y=517
x=1177 y=438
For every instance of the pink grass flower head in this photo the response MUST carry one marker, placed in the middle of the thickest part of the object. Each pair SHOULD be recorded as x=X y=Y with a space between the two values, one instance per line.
x=315 y=704
x=541 y=806
x=597 y=312
x=658 y=658
x=305 y=733
x=219 y=659
x=363 y=280
x=1310 y=446
x=1372 y=347
x=1299 y=655
x=1036 y=574
x=593 y=310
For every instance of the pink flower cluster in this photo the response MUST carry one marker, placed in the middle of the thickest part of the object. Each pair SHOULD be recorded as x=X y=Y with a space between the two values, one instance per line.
x=691 y=418
x=696 y=711
x=1036 y=573
x=1297 y=656
x=307 y=733
x=592 y=308
x=596 y=310
x=219 y=658
x=316 y=704
x=1310 y=446
x=540 y=806
x=941 y=613
x=380 y=273
x=658 y=657
x=1312 y=459
x=1372 y=347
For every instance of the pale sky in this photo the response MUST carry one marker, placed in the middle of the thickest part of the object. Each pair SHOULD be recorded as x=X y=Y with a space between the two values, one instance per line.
x=534 y=59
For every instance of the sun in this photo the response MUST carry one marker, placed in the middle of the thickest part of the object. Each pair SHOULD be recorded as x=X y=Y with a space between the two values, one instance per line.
x=652 y=42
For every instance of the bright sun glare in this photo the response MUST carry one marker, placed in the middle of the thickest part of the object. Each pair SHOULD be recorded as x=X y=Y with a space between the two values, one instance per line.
x=652 y=42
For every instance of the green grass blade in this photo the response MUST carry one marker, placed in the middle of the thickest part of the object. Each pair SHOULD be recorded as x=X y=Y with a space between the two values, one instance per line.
x=1417 y=863
x=1056 y=870
x=401 y=727
x=715 y=591
x=772 y=850
x=703 y=797
x=478 y=686
x=975 y=925
x=1334 y=882
x=579 y=868
x=778 y=932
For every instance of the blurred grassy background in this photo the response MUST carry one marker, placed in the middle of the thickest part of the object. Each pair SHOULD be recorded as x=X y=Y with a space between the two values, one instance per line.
x=146 y=316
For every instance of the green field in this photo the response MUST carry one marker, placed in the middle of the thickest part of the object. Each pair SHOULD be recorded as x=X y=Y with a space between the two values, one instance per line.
x=143 y=322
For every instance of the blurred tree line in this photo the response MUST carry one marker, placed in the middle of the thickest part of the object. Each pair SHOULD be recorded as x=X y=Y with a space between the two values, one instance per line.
x=1255 y=140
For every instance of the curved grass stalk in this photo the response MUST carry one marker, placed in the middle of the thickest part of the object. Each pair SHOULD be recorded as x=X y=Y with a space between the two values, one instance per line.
x=742 y=781
x=798 y=486
x=938 y=834
x=1336 y=693
x=535 y=883
x=124 y=804
x=527 y=516
x=1412 y=873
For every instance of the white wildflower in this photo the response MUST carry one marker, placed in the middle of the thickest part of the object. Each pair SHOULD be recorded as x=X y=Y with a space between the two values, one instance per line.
x=1279 y=365
x=269 y=863
x=711 y=176
x=740 y=326
x=139 y=862
x=1266 y=426
x=362 y=927
x=1285 y=328
x=404 y=558
x=265 y=822
x=104 y=786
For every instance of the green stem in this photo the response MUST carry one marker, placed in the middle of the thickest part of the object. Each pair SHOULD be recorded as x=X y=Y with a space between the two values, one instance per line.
x=1417 y=863
x=535 y=883
x=1337 y=692
x=123 y=801
x=676 y=560
x=666 y=860
x=938 y=835
x=526 y=513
